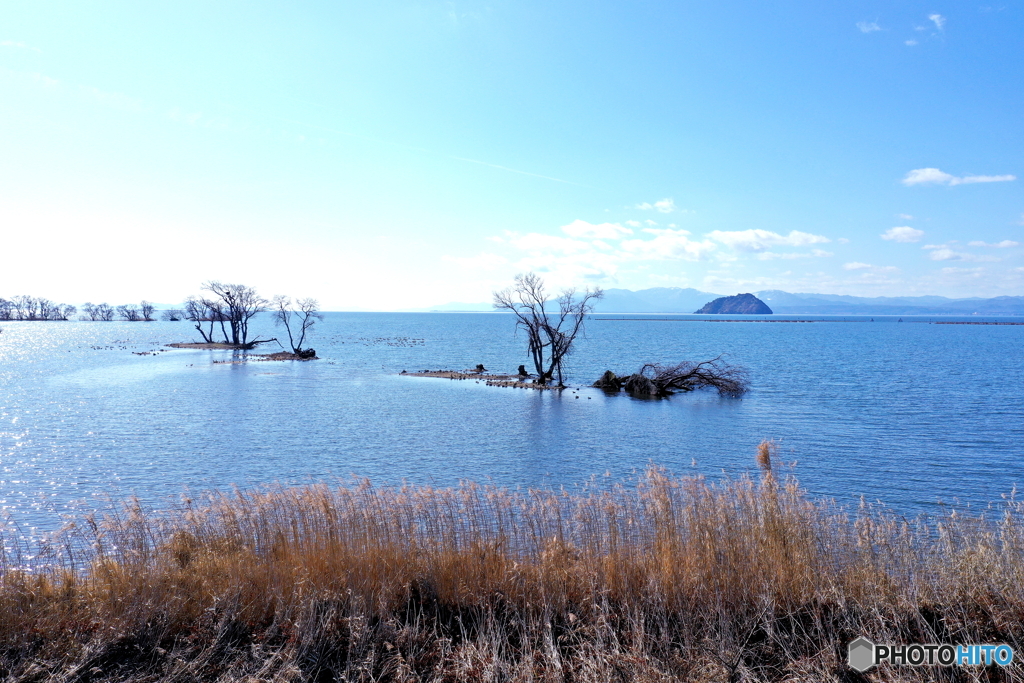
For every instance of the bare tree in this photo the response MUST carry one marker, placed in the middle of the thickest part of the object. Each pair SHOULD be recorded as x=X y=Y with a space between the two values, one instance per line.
x=550 y=336
x=146 y=308
x=239 y=304
x=46 y=309
x=129 y=312
x=655 y=379
x=172 y=314
x=105 y=312
x=198 y=311
x=24 y=307
x=304 y=318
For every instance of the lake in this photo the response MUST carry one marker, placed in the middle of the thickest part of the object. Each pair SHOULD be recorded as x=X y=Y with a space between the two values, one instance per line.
x=908 y=413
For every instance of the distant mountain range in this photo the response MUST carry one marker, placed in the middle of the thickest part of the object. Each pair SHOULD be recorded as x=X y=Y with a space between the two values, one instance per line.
x=688 y=300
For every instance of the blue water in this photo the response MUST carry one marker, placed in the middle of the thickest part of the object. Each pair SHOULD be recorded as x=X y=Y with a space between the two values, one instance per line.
x=907 y=413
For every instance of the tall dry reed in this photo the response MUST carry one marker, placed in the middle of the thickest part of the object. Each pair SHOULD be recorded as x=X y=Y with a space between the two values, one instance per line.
x=668 y=579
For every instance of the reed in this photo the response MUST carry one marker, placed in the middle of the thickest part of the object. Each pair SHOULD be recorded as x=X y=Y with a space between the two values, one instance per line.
x=668 y=579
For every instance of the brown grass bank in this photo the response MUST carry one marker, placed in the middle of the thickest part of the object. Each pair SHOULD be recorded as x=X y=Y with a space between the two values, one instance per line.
x=668 y=580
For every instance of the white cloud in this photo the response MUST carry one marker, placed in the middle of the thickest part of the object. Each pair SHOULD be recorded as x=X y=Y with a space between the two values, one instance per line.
x=868 y=26
x=668 y=244
x=941 y=253
x=905 y=216
x=923 y=176
x=482 y=261
x=1005 y=244
x=536 y=242
x=634 y=224
x=604 y=231
x=771 y=255
x=904 y=233
x=910 y=43
x=650 y=222
x=938 y=20
x=857 y=265
x=760 y=240
x=19 y=45
x=666 y=205
x=843 y=240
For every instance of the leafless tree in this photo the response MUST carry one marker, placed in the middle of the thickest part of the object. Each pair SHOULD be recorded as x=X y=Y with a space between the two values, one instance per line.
x=550 y=336
x=198 y=311
x=129 y=312
x=66 y=311
x=303 y=315
x=146 y=308
x=46 y=309
x=655 y=379
x=105 y=312
x=24 y=307
x=172 y=314
x=239 y=304
x=6 y=309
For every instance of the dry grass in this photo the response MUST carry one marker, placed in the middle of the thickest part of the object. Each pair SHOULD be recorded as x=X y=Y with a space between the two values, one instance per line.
x=673 y=579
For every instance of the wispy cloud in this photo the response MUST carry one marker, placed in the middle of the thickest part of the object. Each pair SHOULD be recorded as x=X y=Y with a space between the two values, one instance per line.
x=666 y=205
x=905 y=216
x=482 y=261
x=1005 y=244
x=18 y=45
x=938 y=20
x=903 y=233
x=815 y=253
x=942 y=252
x=513 y=170
x=910 y=43
x=760 y=240
x=668 y=244
x=601 y=231
x=857 y=265
x=868 y=26
x=933 y=176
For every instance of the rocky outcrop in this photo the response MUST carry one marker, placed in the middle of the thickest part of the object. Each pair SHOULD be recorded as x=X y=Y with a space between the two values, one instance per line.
x=741 y=304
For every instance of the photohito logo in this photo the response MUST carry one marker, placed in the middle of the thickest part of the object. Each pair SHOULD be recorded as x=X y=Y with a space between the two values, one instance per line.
x=863 y=654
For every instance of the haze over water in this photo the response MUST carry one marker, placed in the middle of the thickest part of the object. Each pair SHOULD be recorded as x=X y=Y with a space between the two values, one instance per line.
x=906 y=413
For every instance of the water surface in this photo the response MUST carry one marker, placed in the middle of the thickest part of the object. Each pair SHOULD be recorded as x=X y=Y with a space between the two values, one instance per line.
x=908 y=413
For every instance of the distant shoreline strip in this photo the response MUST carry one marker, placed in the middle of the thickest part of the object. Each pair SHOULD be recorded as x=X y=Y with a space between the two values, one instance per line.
x=762 y=320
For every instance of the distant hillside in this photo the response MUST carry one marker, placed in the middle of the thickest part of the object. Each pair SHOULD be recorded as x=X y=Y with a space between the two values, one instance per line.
x=687 y=300
x=654 y=300
x=741 y=304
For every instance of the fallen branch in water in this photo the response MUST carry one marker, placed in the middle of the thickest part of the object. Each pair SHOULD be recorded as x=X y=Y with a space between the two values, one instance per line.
x=655 y=379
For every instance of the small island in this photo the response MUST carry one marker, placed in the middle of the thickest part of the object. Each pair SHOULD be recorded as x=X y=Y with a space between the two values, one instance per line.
x=741 y=304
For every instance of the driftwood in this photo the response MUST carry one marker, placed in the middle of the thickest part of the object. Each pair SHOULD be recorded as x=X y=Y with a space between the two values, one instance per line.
x=655 y=379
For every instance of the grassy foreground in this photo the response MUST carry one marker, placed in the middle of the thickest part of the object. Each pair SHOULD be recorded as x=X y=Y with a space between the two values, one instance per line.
x=670 y=580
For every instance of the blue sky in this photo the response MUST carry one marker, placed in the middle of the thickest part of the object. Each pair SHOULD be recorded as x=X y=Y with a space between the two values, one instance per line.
x=402 y=154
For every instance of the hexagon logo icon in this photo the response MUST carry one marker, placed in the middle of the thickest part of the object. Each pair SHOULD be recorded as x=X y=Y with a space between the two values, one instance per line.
x=861 y=654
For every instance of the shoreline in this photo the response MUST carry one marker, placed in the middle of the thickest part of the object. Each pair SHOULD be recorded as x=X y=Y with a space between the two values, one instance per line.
x=491 y=380
x=276 y=356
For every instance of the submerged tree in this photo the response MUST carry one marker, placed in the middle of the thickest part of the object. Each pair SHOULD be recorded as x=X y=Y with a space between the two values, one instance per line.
x=655 y=379
x=302 y=316
x=236 y=304
x=129 y=312
x=199 y=311
x=550 y=336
